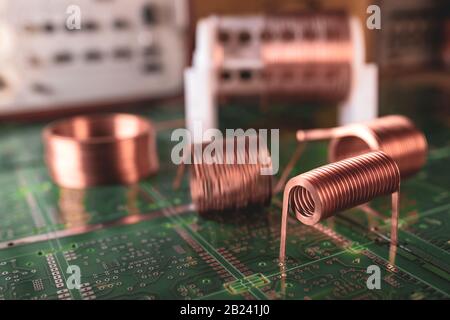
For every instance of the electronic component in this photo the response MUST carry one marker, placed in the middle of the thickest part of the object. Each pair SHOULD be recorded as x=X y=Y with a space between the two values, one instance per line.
x=87 y=151
x=396 y=135
x=232 y=180
x=155 y=245
x=122 y=51
x=446 y=46
x=320 y=193
x=409 y=37
x=312 y=56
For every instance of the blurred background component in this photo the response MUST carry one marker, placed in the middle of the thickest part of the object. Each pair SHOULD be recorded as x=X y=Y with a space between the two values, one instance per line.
x=133 y=51
x=122 y=51
x=314 y=56
x=410 y=37
x=306 y=55
x=411 y=34
x=446 y=46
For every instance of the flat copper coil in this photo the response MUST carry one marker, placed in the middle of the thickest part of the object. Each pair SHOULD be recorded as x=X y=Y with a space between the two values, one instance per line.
x=87 y=151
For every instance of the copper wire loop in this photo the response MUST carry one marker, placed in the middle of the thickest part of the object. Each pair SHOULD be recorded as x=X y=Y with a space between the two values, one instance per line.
x=86 y=151
x=319 y=193
x=221 y=186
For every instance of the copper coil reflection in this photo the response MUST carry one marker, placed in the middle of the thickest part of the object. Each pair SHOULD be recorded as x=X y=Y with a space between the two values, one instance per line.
x=86 y=151
x=72 y=208
x=232 y=180
x=320 y=193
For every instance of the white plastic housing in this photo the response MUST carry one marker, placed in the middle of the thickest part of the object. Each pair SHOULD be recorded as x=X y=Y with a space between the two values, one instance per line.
x=203 y=85
x=125 y=50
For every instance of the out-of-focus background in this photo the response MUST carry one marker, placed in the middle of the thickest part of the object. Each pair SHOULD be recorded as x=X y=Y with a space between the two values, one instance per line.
x=133 y=51
x=64 y=57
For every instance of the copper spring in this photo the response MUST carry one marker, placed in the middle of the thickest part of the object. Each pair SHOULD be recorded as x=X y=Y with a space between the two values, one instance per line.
x=225 y=185
x=320 y=193
x=396 y=135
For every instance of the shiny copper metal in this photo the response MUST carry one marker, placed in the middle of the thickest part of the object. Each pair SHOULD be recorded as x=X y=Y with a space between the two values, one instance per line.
x=396 y=135
x=229 y=187
x=86 y=151
x=307 y=55
x=320 y=193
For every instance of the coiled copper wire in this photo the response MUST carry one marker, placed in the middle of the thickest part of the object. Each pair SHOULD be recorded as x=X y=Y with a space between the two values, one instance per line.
x=232 y=181
x=320 y=193
x=305 y=55
x=396 y=135
x=86 y=151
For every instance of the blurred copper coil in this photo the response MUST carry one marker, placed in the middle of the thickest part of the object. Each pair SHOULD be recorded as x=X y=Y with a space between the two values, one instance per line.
x=320 y=193
x=446 y=45
x=396 y=135
x=86 y=151
x=231 y=181
x=305 y=55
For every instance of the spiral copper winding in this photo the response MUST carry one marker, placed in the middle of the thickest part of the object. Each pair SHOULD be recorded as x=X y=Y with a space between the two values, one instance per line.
x=395 y=135
x=86 y=151
x=231 y=181
x=308 y=55
x=320 y=193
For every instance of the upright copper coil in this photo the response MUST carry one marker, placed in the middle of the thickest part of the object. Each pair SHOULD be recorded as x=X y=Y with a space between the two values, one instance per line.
x=306 y=55
x=231 y=181
x=320 y=193
x=86 y=151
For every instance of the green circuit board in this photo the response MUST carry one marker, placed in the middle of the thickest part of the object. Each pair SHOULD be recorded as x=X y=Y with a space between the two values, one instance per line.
x=147 y=242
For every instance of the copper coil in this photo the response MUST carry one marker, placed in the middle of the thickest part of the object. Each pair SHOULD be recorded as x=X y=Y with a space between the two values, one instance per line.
x=86 y=151
x=231 y=182
x=396 y=135
x=305 y=55
x=307 y=38
x=320 y=193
